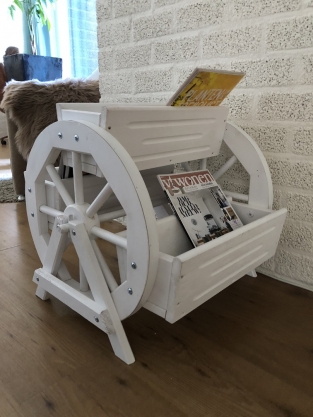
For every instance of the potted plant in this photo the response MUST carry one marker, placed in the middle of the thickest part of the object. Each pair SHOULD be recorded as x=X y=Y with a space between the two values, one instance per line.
x=28 y=66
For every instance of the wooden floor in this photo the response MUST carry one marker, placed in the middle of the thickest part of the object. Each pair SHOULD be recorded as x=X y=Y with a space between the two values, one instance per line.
x=246 y=352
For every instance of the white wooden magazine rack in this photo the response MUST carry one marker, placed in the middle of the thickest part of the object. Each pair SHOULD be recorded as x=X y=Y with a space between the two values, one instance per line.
x=159 y=270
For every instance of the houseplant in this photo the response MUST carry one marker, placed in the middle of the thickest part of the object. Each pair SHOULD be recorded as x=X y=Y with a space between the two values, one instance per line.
x=23 y=67
x=34 y=12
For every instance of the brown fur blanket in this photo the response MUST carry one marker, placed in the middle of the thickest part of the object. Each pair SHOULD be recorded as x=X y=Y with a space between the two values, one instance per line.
x=31 y=105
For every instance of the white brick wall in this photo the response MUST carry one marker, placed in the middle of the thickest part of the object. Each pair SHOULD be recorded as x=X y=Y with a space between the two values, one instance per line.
x=148 y=47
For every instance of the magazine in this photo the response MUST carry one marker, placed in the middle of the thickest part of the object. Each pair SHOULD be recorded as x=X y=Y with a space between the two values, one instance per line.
x=205 y=87
x=200 y=205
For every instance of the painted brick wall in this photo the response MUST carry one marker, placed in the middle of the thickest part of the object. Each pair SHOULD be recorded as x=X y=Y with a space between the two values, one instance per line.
x=148 y=47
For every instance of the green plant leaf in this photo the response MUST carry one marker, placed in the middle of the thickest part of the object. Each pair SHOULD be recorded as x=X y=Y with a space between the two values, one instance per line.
x=32 y=9
x=12 y=10
x=19 y=4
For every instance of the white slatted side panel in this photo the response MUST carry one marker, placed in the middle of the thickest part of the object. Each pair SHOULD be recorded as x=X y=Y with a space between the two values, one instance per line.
x=89 y=112
x=210 y=268
x=156 y=136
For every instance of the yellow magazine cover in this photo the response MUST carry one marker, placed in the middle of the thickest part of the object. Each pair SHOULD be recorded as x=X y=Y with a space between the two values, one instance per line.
x=206 y=87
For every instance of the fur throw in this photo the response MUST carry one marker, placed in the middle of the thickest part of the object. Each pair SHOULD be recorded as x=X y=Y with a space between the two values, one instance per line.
x=31 y=105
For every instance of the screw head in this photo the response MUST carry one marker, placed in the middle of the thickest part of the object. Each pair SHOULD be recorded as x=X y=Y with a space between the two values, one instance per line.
x=73 y=233
x=96 y=319
x=76 y=137
x=32 y=214
x=251 y=214
x=37 y=279
x=134 y=265
x=60 y=135
x=29 y=189
x=130 y=291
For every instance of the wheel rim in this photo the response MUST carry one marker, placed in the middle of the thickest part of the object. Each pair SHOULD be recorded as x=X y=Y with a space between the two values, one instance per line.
x=126 y=183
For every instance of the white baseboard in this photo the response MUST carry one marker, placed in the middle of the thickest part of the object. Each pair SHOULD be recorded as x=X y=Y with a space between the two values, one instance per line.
x=281 y=278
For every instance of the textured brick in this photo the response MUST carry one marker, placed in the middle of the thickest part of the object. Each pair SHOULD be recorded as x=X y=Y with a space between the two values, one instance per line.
x=300 y=206
x=132 y=57
x=240 y=9
x=200 y=14
x=297 y=236
x=291 y=173
x=176 y=50
x=128 y=7
x=303 y=142
x=277 y=200
x=121 y=98
x=153 y=80
x=240 y=105
x=268 y=265
x=116 y=83
x=266 y=72
x=269 y=139
x=233 y=42
x=114 y=33
x=234 y=186
x=236 y=171
x=290 y=34
x=181 y=74
x=160 y=3
x=214 y=163
x=285 y=106
x=104 y=8
x=153 y=26
x=296 y=267
x=308 y=69
x=160 y=98
x=106 y=60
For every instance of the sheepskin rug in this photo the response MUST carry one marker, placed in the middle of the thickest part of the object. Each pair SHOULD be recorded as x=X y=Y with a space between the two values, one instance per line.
x=31 y=105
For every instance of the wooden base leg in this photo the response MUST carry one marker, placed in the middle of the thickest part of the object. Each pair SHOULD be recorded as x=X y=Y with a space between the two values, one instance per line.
x=42 y=293
x=122 y=349
x=105 y=319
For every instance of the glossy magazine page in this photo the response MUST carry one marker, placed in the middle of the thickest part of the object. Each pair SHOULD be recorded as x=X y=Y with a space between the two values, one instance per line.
x=200 y=205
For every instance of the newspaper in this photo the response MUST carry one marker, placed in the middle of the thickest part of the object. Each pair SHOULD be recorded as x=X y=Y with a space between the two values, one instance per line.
x=200 y=205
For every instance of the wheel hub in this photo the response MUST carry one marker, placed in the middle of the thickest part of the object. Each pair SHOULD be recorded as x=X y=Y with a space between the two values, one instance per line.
x=78 y=212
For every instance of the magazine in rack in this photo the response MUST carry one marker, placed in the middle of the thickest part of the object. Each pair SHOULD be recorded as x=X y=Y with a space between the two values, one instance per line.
x=200 y=205
x=205 y=87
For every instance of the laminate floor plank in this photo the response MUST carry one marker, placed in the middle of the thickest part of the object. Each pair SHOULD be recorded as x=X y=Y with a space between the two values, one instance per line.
x=247 y=352
x=14 y=228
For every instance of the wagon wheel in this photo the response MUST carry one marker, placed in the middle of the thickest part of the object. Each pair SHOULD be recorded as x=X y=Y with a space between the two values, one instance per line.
x=80 y=222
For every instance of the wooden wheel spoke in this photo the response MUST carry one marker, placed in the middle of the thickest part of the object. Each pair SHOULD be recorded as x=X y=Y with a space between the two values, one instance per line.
x=110 y=280
x=78 y=178
x=109 y=236
x=228 y=164
x=56 y=247
x=83 y=283
x=59 y=185
x=98 y=202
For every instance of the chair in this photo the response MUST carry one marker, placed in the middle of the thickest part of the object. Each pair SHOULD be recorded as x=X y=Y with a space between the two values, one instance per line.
x=30 y=106
x=2 y=85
